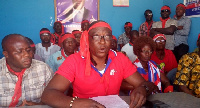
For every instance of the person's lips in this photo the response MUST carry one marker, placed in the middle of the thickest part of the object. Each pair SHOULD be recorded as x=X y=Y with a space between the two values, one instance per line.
x=27 y=61
x=102 y=50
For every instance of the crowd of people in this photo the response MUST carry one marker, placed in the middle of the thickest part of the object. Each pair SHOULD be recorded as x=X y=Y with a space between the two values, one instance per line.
x=93 y=62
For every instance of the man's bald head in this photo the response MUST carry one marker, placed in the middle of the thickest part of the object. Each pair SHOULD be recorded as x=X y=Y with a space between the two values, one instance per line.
x=9 y=39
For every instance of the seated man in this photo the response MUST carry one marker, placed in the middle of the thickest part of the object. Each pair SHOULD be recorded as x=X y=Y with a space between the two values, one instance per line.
x=23 y=79
x=164 y=58
x=46 y=48
x=68 y=45
x=128 y=48
x=59 y=31
x=95 y=71
x=77 y=35
x=84 y=25
x=188 y=73
x=114 y=43
x=125 y=37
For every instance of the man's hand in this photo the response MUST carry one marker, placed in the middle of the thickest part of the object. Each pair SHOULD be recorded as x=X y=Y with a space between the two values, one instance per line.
x=86 y=103
x=138 y=97
x=152 y=87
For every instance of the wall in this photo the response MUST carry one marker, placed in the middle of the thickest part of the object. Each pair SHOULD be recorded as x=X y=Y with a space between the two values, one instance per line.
x=25 y=17
x=117 y=16
x=195 y=25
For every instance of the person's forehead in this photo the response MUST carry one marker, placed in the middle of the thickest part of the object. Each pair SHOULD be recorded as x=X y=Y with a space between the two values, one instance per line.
x=18 y=43
x=100 y=29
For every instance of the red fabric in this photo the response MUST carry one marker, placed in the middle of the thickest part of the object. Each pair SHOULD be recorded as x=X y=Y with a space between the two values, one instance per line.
x=58 y=35
x=32 y=45
x=169 y=89
x=119 y=67
x=76 y=32
x=131 y=43
x=198 y=36
x=181 y=5
x=169 y=60
x=66 y=36
x=84 y=21
x=84 y=45
x=45 y=31
x=163 y=21
x=165 y=8
x=128 y=25
x=159 y=35
x=63 y=53
x=114 y=37
x=18 y=88
x=148 y=27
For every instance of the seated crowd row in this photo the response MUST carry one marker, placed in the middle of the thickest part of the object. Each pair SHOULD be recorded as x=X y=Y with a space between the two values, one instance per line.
x=90 y=64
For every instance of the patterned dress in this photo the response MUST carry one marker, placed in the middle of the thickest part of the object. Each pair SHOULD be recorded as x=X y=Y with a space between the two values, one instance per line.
x=188 y=72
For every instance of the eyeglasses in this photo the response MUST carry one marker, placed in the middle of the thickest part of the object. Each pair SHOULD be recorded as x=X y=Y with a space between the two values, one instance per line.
x=146 y=51
x=98 y=38
x=159 y=41
x=149 y=14
x=166 y=10
x=45 y=34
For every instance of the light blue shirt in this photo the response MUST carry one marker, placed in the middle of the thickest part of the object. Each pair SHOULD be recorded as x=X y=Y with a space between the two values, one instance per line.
x=55 y=60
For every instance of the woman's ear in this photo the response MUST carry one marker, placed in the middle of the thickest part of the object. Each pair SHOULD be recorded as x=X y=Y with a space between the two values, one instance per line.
x=5 y=53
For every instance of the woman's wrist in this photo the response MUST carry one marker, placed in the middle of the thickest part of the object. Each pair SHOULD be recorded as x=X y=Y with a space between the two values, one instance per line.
x=72 y=101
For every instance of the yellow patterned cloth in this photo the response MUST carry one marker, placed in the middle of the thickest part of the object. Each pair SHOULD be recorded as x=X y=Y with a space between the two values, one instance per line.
x=188 y=72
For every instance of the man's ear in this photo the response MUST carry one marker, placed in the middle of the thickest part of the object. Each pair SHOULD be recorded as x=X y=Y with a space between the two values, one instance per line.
x=5 y=53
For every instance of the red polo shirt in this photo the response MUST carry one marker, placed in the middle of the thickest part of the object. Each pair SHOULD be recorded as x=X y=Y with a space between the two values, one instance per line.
x=118 y=67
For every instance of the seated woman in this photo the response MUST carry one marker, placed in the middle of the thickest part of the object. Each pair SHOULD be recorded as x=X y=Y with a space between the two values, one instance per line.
x=143 y=48
x=164 y=58
x=188 y=73
x=95 y=71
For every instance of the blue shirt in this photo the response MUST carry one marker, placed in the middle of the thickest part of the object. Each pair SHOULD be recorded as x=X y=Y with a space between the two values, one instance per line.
x=55 y=60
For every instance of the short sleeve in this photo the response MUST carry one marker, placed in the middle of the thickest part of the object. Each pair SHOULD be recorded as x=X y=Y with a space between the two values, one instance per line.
x=67 y=69
x=126 y=65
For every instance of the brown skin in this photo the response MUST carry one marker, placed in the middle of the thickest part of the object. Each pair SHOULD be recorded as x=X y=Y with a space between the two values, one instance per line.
x=179 y=13
x=45 y=40
x=148 y=17
x=167 y=31
x=127 y=31
x=144 y=57
x=160 y=49
x=99 y=51
x=57 y=27
x=18 y=56
x=84 y=26
x=114 y=45
x=78 y=37
x=69 y=46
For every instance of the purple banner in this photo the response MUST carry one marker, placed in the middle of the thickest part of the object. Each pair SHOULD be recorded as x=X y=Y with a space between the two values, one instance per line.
x=72 y=12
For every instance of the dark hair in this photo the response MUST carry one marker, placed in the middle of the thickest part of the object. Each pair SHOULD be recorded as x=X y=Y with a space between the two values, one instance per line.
x=44 y=29
x=131 y=34
x=6 y=38
x=148 y=10
x=29 y=40
x=75 y=30
x=140 y=42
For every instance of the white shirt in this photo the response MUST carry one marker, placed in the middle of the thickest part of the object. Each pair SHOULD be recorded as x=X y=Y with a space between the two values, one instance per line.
x=43 y=53
x=129 y=51
x=78 y=15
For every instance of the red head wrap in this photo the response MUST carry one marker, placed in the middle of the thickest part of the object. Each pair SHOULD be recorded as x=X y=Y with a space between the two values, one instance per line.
x=165 y=8
x=66 y=36
x=32 y=45
x=128 y=25
x=84 y=21
x=181 y=5
x=159 y=35
x=45 y=31
x=114 y=37
x=84 y=45
x=76 y=32
x=198 y=36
